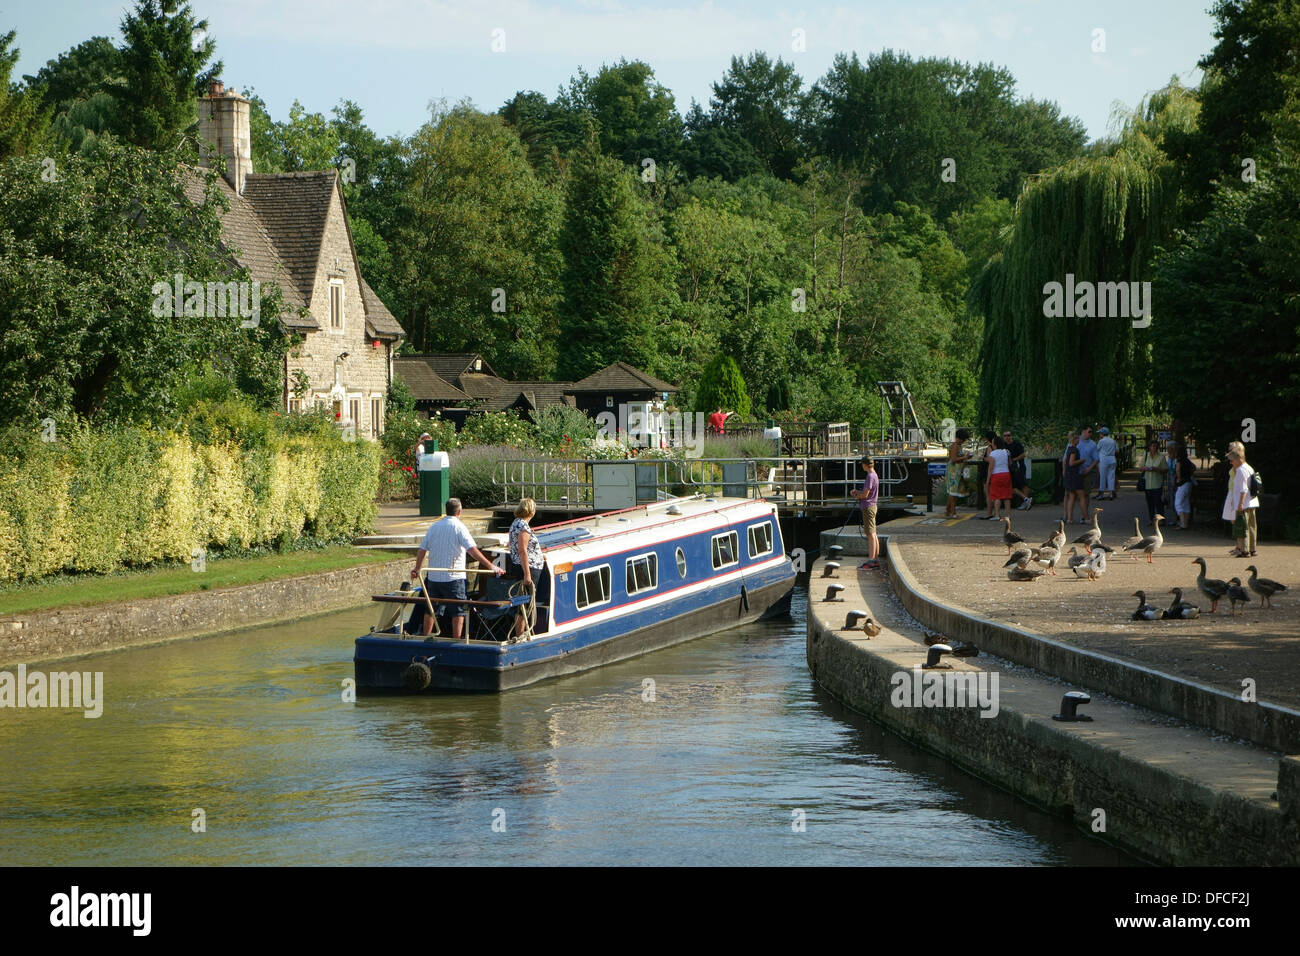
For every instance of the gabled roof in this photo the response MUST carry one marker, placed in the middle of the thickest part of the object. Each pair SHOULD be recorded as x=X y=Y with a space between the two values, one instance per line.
x=480 y=386
x=425 y=384
x=379 y=320
x=536 y=395
x=621 y=377
x=452 y=365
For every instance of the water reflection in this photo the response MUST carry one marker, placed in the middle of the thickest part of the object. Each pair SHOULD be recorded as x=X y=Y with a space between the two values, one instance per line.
x=252 y=728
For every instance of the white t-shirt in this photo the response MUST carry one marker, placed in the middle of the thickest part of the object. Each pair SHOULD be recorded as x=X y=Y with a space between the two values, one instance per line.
x=1240 y=485
x=999 y=458
x=447 y=540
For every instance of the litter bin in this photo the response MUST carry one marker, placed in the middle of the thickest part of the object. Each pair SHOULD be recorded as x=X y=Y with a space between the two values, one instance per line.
x=435 y=483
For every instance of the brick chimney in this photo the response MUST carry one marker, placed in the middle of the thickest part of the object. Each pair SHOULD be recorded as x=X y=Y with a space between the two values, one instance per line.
x=224 y=131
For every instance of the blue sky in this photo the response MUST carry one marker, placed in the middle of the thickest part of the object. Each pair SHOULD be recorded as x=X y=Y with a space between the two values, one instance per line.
x=395 y=56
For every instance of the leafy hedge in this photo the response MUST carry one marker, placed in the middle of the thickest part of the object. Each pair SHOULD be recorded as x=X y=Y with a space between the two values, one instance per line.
x=98 y=500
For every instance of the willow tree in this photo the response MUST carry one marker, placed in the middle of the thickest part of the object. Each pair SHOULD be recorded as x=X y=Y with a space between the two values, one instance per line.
x=1098 y=219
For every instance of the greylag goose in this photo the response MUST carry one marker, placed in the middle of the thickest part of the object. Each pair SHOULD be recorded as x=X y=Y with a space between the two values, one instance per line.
x=1212 y=588
x=1022 y=556
x=1009 y=537
x=1263 y=587
x=1057 y=540
x=1145 y=612
x=1048 y=557
x=1137 y=536
x=1095 y=565
x=1150 y=544
x=1180 y=610
x=1025 y=574
x=1237 y=594
x=1092 y=536
x=1076 y=560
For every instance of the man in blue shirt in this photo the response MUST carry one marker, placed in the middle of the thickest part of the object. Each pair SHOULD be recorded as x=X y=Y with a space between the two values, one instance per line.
x=1088 y=470
x=867 y=499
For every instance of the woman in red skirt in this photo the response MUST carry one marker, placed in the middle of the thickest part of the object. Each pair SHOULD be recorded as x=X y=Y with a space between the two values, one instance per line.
x=999 y=478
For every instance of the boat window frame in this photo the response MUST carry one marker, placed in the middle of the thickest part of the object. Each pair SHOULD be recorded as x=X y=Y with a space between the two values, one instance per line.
x=681 y=563
x=771 y=539
x=608 y=582
x=735 y=549
x=652 y=561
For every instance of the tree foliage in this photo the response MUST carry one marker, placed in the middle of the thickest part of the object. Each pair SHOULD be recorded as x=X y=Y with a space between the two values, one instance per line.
x=722 y=386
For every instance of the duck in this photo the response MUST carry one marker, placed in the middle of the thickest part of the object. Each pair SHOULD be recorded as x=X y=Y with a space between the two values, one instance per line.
x=1180 y=610
x=1095 y=565
x=1048 y=557
x=1092 y=536
x=1263 y=587
x=1009 y=537
x=1137 y=536
x=1150 y=544
x=1076 y=560
x=1025 y=574
x=1237 y=594
x=1057 y=540
x=871 y=627
x=1212 y=588
x=1145 y=612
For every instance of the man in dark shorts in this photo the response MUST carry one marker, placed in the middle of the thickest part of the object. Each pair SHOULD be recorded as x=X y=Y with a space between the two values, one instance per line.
x=867 y=500
x=446 y=543
x=1019 y=484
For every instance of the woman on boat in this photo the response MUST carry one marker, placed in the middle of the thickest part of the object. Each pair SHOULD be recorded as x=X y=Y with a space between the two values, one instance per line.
x=526 y=559
x=953 y=483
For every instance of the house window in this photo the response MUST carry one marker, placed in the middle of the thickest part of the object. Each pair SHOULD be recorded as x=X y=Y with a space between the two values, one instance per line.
x=593 y=587
x=642 y=573
x=336 y=306
x=376 y=415
x=760 y=539
x=354 y=410
x=295 y=405
x=726 y=549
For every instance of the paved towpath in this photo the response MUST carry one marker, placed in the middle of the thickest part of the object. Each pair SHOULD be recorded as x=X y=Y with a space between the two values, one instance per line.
x=960 y=561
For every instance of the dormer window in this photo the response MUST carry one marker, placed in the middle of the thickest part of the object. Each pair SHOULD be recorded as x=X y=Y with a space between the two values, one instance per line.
x=336 y=305
x=478 y=365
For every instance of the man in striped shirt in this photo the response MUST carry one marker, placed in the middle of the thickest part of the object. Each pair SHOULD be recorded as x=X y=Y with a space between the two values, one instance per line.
x=446 y=543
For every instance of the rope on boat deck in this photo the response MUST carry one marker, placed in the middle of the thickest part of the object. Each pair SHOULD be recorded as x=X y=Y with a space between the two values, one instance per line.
x=530 y=616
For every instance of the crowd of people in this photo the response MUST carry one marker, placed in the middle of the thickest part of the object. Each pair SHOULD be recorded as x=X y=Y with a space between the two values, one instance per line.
x=1089 y=470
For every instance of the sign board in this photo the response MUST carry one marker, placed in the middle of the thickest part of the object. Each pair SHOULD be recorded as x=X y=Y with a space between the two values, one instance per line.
x=936 y=469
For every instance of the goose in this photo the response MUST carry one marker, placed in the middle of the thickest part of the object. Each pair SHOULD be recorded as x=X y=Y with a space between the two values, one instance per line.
x=1145 y=612
x=1076 y=560
x=1150 y=544
x=1263 y=587
x=1025 y=574
x=1137 y=536
x=1092 y=536
x=1022 y=556
x=1237 y=594
x=1212 y=588
x=1057 y=540
x=1009 y=537
x=1180 y=610
x=1048 y=557
x=1095 y=565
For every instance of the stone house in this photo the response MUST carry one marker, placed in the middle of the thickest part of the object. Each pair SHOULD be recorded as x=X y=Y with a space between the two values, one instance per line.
x=292 y=229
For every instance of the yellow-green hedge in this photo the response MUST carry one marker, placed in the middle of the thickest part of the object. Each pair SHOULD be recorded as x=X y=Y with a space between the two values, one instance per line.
x=132 y=496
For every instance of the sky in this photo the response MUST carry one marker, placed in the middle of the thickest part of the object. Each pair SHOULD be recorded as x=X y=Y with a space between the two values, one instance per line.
x=395 y=57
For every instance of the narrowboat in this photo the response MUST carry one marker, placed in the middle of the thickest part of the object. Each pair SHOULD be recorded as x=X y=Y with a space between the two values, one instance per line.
x=615 y=585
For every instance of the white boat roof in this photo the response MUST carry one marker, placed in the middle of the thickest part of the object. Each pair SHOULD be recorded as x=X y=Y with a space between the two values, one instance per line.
x=645 y=525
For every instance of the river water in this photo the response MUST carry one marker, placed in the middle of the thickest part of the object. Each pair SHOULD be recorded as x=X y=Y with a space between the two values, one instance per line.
x=739 y=759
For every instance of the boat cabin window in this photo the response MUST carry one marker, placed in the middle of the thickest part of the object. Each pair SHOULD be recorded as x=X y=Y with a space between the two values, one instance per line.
x=642 y=573
x=760 y=539
x=593 y=587
x=726 y=548
x=681 y=562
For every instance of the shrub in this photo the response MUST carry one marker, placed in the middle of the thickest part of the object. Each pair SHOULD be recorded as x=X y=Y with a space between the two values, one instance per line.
x=473 y=468
x=497 y=428
x=559 y=428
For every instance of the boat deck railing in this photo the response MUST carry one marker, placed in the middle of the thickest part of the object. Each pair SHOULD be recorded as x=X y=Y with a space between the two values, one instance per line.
x=795 y=482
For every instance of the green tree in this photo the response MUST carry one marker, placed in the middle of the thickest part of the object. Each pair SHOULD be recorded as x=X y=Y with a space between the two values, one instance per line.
x=75 y=85
x=24 y=121
x=616 y=278
x=79 y=259
x=760 y=100
x=722 y=386
x=635 y=115
x=476 y=219
x=165 y=68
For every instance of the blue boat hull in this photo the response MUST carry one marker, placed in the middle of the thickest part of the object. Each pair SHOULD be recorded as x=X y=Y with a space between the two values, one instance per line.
x=381 y=660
